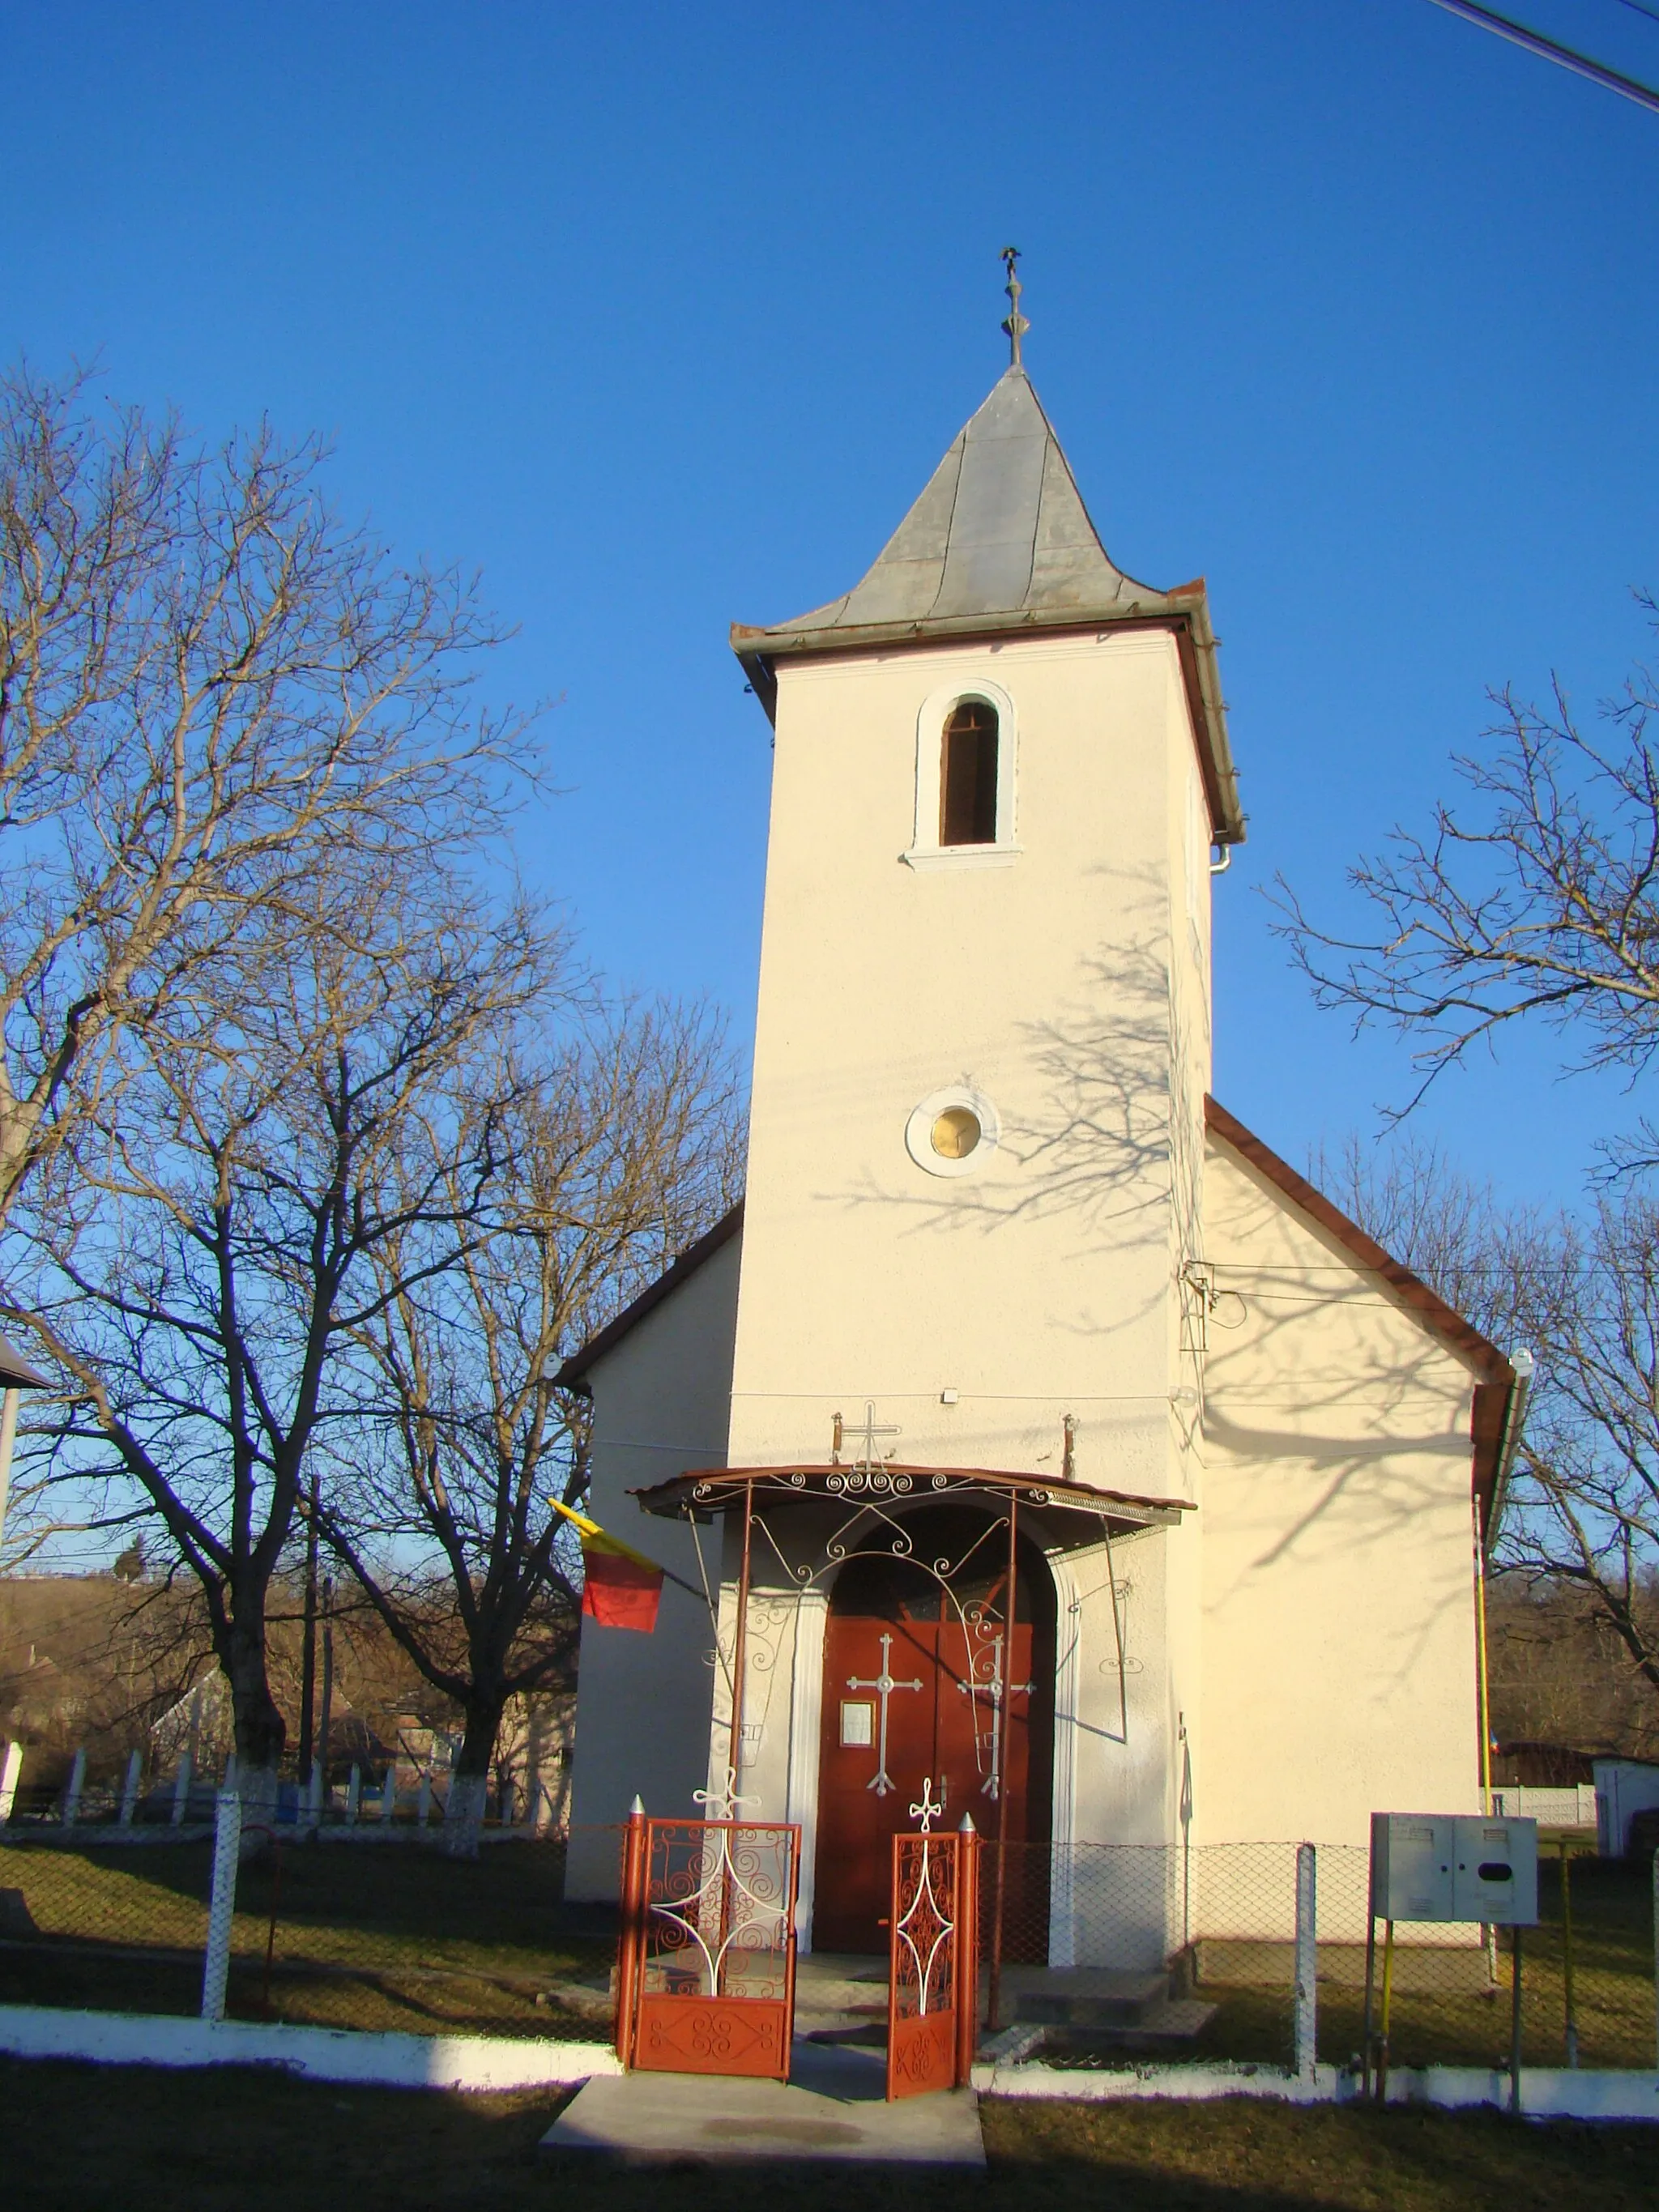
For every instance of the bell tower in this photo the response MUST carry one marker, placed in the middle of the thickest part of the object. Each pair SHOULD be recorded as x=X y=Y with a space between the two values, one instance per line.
x=983 y=1045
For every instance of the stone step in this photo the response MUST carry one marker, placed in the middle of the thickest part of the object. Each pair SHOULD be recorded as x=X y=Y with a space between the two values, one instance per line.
x=1084 y=1996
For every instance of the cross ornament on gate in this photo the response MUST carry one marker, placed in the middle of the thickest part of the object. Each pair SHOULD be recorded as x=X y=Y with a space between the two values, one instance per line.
x=926 y=1812
x=883 y=1685
x=722 y=1804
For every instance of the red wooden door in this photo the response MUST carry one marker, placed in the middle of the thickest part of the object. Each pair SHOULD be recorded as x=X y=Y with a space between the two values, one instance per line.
x=938 y=1679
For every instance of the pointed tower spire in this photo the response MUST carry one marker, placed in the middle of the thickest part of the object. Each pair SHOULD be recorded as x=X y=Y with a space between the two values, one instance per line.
x=1000 y=543
x=1015 y=323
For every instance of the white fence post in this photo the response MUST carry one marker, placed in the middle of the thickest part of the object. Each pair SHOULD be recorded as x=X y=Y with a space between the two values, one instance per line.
x=130 y=1787
x=389 y=1795
x=423 y=1802
x=354 y=1793
x=315 y=1794
x=181 y=1790
x=221 y=1903
x=77 y=1782
x=1307 y=1965
x=10 y=1767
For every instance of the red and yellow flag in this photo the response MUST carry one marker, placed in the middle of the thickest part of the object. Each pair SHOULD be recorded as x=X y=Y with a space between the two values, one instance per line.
x=621 y=1588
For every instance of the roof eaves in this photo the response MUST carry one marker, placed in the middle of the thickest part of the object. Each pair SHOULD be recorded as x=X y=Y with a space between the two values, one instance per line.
x=1495 y=1378
x=1488 y=1362
x=1185 y=612
x=573 y=1376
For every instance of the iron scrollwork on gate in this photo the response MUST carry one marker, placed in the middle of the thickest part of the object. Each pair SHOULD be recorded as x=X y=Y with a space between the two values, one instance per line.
x=932 y=2004
x=706 y=1980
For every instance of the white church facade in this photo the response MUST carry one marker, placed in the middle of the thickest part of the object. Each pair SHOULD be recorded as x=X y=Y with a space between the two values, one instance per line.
x=1032 y=1427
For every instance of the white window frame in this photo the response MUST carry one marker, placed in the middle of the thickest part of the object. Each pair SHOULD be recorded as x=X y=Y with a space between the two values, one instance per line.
x=918 y=1130
x=925 y=850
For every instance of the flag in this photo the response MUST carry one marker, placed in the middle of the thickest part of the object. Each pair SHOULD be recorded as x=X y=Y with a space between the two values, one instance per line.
x=621 y=1588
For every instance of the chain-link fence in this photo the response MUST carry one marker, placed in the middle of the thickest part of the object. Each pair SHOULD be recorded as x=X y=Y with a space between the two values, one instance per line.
x=387 y=1932
x=112 y=1930
x=1109 y=1950
x=1443 y=1994
x=419 y=1940
x=1091 y=1953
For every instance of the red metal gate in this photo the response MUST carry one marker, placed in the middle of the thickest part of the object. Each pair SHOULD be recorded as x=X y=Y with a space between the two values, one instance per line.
x=705 y=1966
x=932 y=1999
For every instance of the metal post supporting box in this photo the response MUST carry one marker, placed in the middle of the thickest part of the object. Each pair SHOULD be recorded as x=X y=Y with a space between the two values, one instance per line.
x=1495 y=1871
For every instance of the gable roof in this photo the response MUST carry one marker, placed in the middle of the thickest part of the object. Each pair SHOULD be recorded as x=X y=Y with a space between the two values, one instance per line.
x=1000 y=540
x=573 y=1376
x=1496 y=1379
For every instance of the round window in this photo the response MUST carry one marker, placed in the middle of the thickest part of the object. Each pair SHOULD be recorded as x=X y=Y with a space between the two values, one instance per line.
x=952 y=1132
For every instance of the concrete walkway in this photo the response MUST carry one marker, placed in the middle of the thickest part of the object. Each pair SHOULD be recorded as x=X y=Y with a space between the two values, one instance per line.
x=834 y=2106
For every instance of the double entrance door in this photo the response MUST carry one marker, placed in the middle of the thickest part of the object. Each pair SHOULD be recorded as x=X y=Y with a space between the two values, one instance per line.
x=917 y=1665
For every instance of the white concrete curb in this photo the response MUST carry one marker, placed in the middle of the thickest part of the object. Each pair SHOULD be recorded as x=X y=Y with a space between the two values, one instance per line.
x=481 y=2062
x=322 y=2054
x=1547 y=2093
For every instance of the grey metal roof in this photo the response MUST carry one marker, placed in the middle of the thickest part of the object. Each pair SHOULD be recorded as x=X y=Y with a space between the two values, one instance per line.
x=1000 y=540
x=1001 y=530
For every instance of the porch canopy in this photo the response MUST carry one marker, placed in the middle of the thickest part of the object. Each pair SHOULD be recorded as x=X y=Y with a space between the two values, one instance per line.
x=703 y=1492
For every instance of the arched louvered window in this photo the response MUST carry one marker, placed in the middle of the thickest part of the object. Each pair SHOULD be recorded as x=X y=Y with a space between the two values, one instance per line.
x=967 y=776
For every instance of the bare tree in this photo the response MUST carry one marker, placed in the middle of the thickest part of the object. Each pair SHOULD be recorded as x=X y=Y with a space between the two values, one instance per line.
x=1560 y=1677
x=623 y=1150
x=1586 y=1512
x=212 y=695
x=1540 y=902
x=205 y=1257
x=1483 y=1258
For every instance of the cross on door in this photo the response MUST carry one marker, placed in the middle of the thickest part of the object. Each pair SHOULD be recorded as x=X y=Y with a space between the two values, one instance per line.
x=883 y=1685
x=992 y=1786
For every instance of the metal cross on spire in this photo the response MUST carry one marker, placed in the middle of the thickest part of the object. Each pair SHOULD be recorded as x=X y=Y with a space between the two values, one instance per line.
x=1016 y=325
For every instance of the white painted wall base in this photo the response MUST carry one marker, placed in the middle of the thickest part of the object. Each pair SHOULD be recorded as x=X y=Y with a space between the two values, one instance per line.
x=479 y=2061
x=1547 y=2093
x=320 y=2054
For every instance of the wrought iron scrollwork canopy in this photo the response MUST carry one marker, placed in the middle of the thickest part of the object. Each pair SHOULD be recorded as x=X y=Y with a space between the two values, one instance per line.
x=707 y=1491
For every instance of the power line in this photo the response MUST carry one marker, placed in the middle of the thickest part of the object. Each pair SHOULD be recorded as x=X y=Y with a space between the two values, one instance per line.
x=1566 y=58
x=1652 y=14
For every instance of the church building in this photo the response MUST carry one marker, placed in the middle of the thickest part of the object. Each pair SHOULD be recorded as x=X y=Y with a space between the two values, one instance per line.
x=1036 y=1432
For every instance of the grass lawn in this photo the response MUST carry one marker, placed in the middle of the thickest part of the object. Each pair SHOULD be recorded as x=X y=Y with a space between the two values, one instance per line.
x=147 y=2140
x=367 y=1936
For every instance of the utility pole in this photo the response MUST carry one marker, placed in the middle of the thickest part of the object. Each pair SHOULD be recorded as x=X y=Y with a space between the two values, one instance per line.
x=308 y=1642
x=328 y=1681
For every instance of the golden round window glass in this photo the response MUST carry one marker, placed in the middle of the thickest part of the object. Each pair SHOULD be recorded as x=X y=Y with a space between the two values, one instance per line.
x=955 y=1133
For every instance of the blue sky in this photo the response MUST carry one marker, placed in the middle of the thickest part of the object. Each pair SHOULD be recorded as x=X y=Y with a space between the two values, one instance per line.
x=662 y=316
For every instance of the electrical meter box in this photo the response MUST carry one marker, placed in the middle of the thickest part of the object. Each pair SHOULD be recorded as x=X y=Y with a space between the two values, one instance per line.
x=1454 y=1866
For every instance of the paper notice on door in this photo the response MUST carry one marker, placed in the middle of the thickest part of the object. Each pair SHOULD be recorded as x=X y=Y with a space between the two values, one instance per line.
x=857 y=1724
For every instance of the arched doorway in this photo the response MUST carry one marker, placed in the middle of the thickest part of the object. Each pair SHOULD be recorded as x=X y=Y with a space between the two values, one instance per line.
x=919 y=1639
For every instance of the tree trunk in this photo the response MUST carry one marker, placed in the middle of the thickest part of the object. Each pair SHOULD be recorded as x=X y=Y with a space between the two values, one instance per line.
x=261 y=1731
x=469 y=1782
